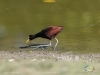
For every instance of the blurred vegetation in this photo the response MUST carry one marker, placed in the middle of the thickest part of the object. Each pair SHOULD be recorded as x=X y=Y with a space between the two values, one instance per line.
x=27 y=67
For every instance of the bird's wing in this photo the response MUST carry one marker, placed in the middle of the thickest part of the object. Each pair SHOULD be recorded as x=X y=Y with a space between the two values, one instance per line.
x=52 y=31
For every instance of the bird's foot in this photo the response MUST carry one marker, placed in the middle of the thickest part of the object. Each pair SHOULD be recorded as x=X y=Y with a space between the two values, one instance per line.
x=40 y=46
x=36 y=47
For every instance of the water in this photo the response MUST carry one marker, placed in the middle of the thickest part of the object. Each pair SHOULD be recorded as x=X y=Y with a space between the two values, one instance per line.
x=81 y=21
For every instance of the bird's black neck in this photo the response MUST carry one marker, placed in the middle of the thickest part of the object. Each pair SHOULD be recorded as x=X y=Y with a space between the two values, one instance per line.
x=37 y=35
x=42 y=35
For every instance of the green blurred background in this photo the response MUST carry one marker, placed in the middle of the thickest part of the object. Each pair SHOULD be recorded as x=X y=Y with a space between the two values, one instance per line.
x=80 y=18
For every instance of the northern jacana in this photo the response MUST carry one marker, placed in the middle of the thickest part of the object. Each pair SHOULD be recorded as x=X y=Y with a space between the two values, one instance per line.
x=47 y=33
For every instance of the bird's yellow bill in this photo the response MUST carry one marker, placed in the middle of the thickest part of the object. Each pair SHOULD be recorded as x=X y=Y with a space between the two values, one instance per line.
x=27 y=41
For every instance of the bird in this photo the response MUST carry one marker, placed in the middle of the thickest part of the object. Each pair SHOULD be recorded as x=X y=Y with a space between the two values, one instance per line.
x=49 y=33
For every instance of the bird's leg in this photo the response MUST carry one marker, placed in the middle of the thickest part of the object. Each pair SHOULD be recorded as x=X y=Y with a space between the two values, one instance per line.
x=41 y=47
x=56 y=43
x=49 y=43
x=46 y=45
x=36 y=47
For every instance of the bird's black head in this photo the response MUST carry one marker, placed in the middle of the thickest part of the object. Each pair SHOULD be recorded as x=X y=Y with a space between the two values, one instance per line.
x=31 y=37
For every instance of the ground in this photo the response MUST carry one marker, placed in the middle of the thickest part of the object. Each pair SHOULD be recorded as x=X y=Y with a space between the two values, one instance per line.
x=42 y=62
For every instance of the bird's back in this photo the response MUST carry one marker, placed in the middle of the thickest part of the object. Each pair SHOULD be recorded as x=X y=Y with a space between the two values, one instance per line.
x=51 y=31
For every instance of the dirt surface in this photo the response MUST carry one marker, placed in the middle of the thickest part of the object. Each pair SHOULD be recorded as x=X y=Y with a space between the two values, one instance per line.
x=38 y=55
